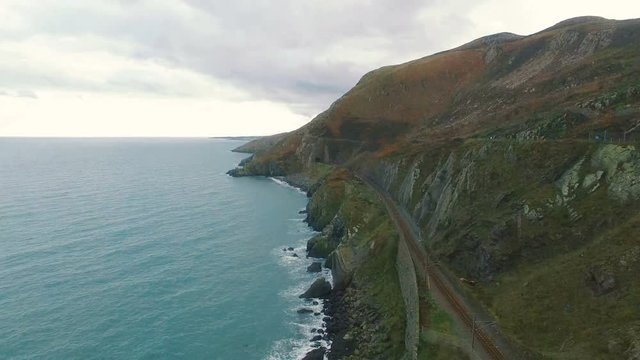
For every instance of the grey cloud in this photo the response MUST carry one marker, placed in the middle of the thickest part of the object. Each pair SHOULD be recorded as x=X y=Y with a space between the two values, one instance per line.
x=22 y=93
x=27 y=93
x=274 y=49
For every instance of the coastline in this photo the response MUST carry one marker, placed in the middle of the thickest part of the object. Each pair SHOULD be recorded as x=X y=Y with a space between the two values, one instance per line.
x=363 y=312
x=337 y=308
x=321 y=338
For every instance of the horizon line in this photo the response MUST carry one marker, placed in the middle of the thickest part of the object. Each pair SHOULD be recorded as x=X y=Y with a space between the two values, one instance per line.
x=128 y=137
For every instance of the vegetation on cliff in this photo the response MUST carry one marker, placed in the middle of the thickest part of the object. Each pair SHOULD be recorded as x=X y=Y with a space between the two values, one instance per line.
x=362 y=245
x=517 y=158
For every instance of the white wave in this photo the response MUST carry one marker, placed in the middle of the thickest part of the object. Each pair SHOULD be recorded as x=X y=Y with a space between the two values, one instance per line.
x=286 y=184
x=298 y=346
x=295 y=349
x=290 y=350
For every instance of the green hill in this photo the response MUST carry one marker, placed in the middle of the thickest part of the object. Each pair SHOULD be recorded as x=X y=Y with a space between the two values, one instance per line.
x=517 y=157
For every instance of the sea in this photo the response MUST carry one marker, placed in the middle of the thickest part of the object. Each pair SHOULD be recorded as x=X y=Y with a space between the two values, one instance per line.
x=146 y=249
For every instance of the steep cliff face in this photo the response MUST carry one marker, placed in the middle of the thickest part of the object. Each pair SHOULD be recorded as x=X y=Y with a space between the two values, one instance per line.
x=517 y=157
x=468 y=200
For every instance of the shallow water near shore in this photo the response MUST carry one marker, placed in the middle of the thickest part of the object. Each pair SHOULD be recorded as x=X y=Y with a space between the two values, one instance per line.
x=145 y=248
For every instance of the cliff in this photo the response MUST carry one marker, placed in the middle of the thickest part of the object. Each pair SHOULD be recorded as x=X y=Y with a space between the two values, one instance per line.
x=516 y=156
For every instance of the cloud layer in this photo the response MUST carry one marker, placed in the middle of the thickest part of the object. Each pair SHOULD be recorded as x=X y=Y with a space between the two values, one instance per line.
x=300 y=55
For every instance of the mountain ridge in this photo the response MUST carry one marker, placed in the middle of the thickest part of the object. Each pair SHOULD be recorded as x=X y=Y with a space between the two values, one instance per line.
x=428 y=92
x=517 y=158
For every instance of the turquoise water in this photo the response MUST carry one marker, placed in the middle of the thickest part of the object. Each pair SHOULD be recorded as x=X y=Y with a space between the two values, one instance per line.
x=145 y=249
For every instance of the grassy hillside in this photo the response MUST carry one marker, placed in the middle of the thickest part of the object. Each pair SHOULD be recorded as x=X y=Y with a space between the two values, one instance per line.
x=518 y=159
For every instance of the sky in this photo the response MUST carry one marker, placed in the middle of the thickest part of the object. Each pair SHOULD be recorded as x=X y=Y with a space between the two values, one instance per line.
x=178 y=68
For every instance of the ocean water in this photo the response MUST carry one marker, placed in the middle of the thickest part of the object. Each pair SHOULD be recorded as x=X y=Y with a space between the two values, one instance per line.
x=146 y=249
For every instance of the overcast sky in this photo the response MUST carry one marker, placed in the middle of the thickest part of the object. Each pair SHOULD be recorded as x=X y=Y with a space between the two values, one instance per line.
x=213 y=68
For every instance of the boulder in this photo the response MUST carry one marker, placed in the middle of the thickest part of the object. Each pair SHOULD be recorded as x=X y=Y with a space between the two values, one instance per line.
x=290 y=248
x=315 y=267
x=599 y=281
x=320 y=288
x=316 y=338
x=304 y=311
x=315 y=354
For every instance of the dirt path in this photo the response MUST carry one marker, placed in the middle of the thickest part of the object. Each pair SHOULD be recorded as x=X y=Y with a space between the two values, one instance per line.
x=487 y=343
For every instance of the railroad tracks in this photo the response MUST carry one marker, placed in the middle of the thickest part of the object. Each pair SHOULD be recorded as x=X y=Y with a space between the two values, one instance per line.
x=430 y=271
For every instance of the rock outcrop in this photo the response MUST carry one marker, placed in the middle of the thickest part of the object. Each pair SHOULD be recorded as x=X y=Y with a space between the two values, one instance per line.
x=314 y=267
x=320 y=289
x=600 y=281
x=315 y=354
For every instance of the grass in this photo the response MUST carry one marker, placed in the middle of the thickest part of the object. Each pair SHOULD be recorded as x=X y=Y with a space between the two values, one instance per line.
x=438 y=320
x=439 y=340
x=328 y=199
x=548 y=307
x=318 y=171
x=376 y=276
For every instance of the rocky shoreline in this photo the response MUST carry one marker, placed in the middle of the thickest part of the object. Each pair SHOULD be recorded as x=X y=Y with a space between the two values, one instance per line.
x=319 y=290
x=350 y=327
x=334 y=302
x=337 y=321
x=362 y=316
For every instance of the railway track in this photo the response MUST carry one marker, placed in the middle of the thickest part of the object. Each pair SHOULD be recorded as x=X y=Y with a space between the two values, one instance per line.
x=423 y=264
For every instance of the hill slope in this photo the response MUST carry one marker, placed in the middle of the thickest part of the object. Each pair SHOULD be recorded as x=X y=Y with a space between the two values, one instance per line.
x=517 y=157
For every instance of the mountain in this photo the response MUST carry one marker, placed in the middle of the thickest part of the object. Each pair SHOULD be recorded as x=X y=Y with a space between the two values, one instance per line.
x=516 y=157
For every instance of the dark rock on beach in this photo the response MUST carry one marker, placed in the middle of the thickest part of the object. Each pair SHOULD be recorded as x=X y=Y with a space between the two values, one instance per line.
x=353 y=327
x=338 y=325
x=315 y=354
x=320 y=289
x=290 y=248
x=315 y=267
x=304 y=311
x=316 y=338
